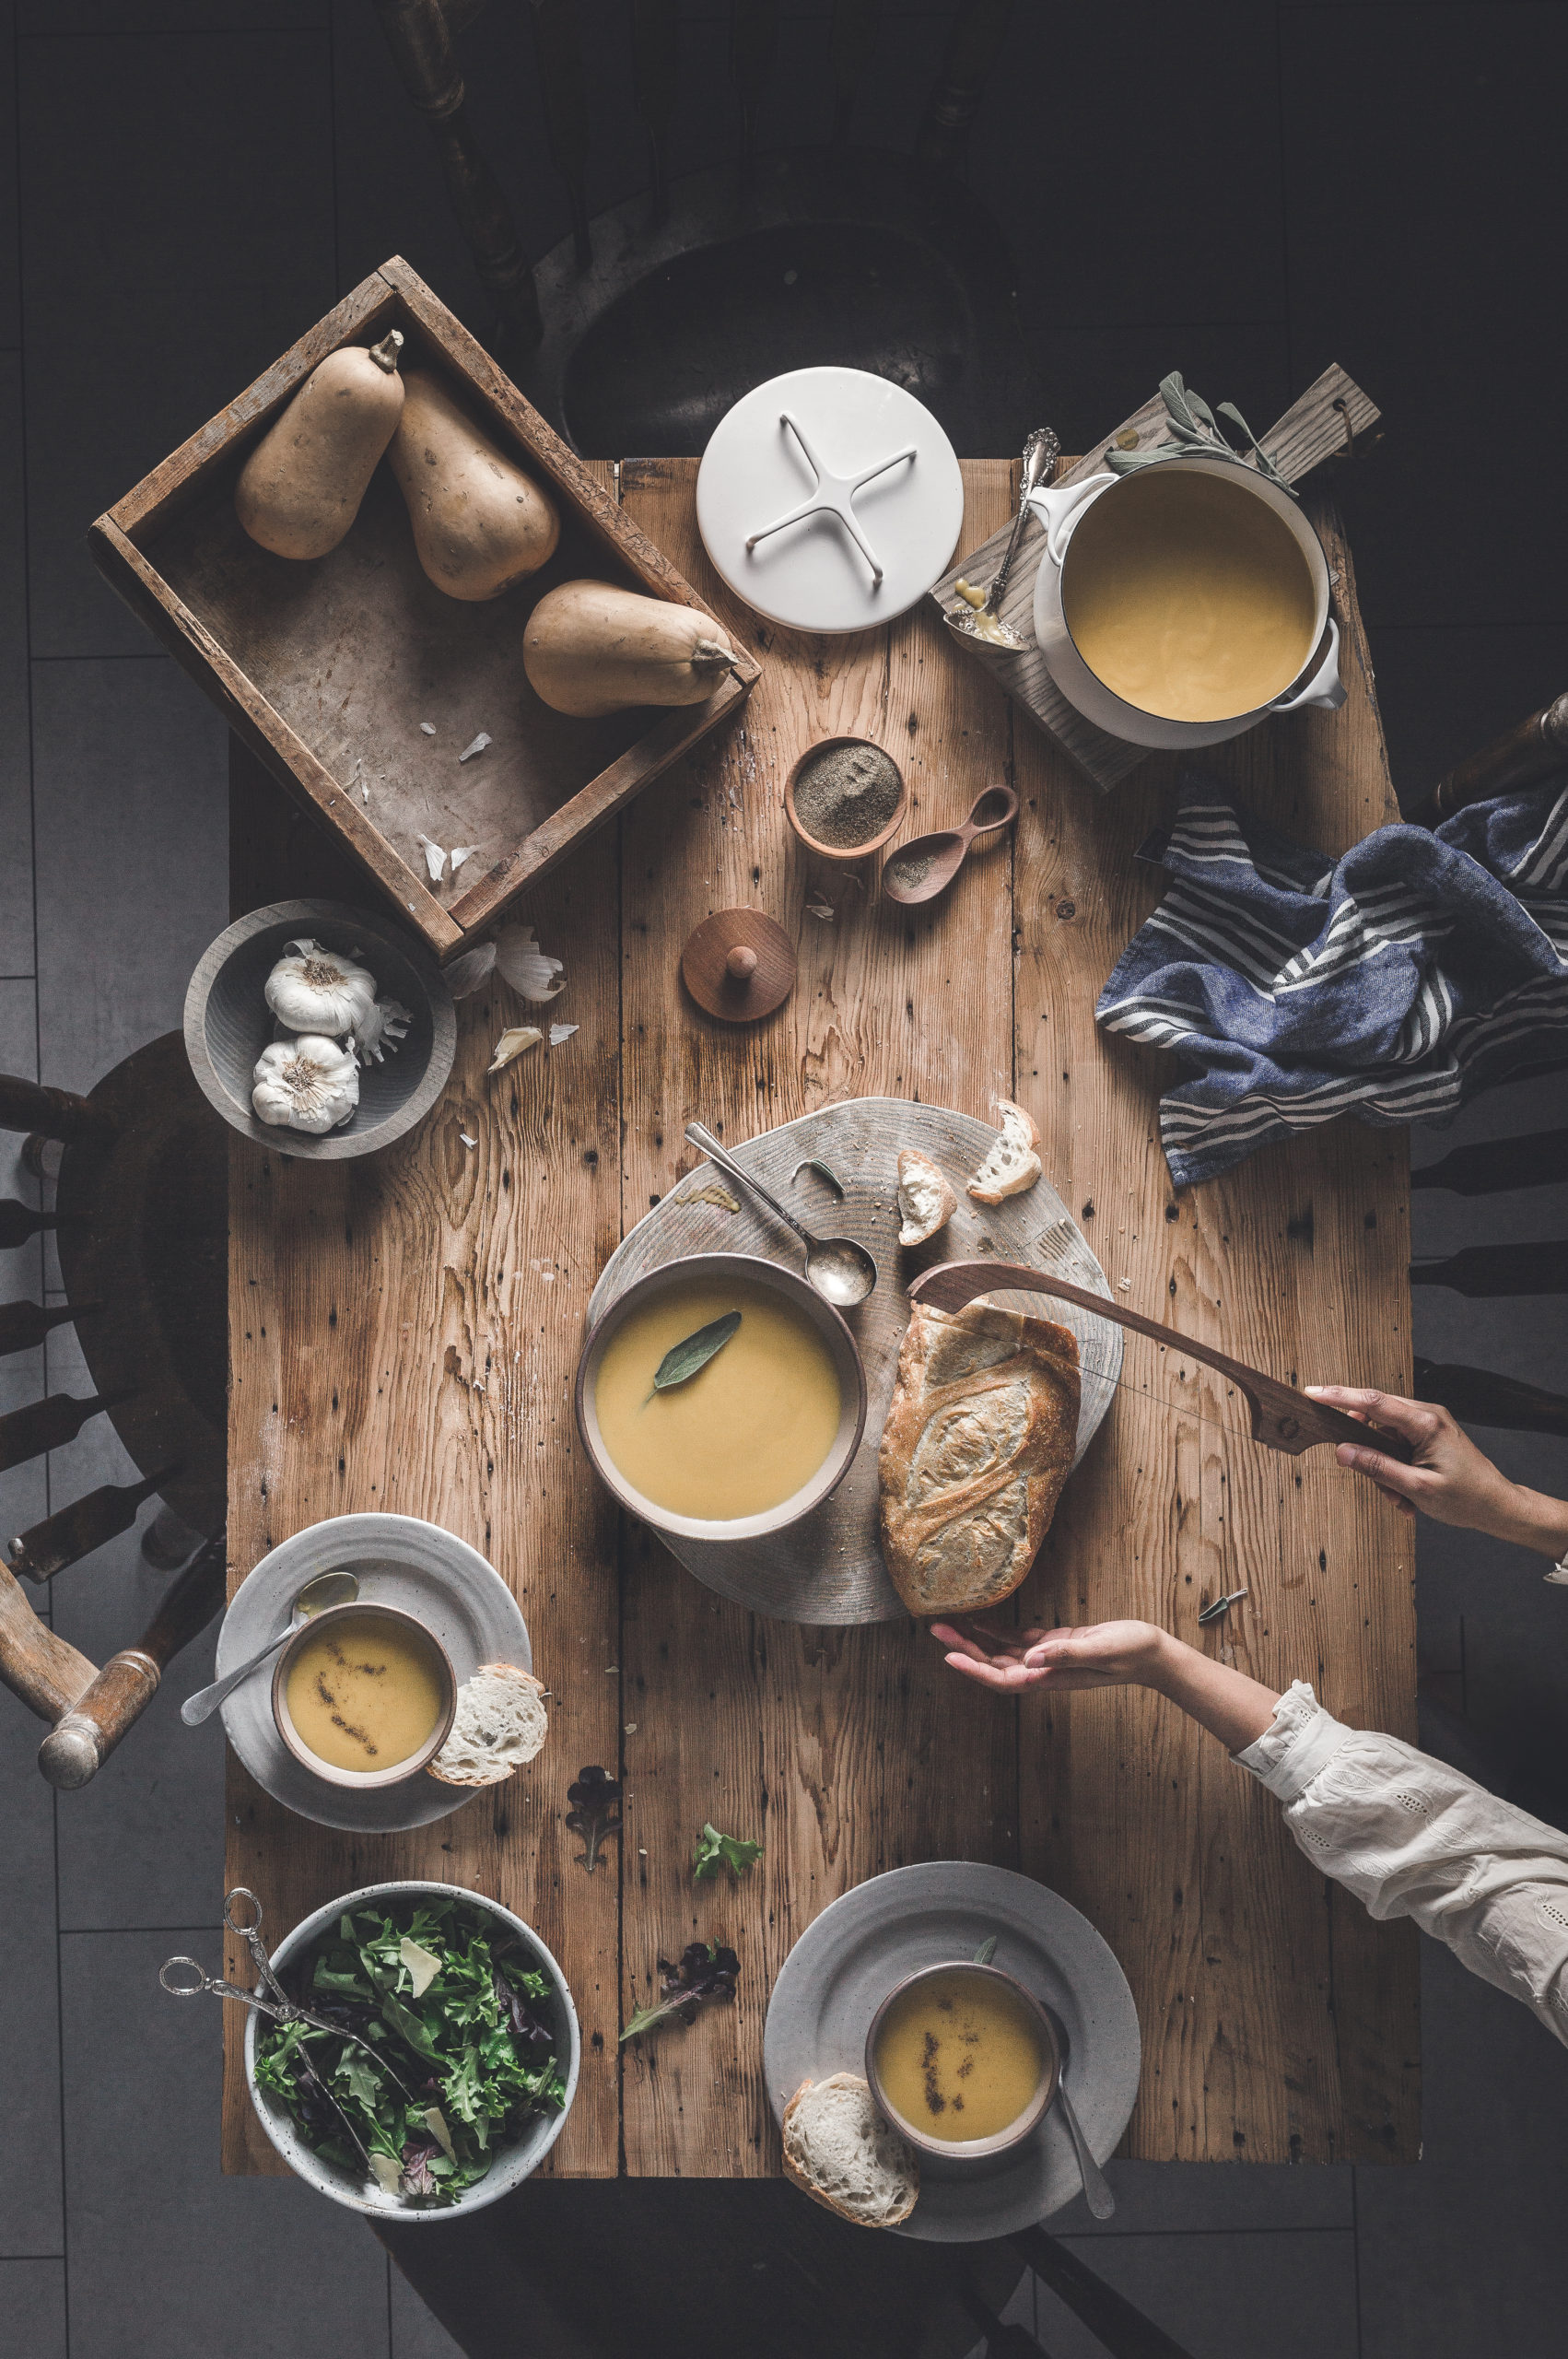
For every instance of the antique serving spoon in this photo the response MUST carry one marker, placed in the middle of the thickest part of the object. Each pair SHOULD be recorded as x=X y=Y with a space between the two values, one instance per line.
x=326 y=1589
x=975 y=616
x=1102 y=2203
x=927 y=866
x=842 y=1272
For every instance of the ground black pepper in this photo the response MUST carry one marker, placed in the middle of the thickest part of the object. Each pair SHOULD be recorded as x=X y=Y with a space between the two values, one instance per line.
x=847 y=794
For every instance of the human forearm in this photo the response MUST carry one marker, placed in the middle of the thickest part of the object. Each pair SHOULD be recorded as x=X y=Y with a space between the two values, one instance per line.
x=1237 y=1709
x=1530 y=1520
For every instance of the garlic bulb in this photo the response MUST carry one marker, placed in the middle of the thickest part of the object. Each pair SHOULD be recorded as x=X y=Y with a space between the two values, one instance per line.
x=381 y=1027
x=311 y=1084
x=313 y=989
x=525 y=966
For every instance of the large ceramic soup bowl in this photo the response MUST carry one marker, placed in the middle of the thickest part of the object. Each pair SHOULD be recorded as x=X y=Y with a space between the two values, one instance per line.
x=1180 y=605
x=760 y=1432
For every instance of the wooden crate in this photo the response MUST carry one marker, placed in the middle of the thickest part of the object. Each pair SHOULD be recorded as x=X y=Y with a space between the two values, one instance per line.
x=328 y=668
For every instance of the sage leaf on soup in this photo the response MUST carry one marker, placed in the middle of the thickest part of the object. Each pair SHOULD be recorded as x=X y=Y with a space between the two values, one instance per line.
x=682 y=1360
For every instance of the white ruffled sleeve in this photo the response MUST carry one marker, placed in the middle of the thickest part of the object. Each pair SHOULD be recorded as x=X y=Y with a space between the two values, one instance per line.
x=1412 y=1838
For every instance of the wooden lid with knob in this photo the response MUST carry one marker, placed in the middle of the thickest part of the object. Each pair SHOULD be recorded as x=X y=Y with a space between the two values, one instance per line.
x=739 y=965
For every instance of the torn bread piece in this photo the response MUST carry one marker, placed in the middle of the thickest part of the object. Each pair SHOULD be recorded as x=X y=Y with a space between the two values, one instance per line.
x=1013 y=1164
x=843 y=2153
x=926 y=1202
x=500 y=1722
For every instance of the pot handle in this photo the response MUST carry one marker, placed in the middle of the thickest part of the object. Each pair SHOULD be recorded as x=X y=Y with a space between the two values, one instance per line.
x=1059 y=509
x=1325 y=687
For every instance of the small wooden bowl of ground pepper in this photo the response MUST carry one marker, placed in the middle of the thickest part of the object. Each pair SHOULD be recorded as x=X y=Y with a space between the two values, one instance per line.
x=845 y=797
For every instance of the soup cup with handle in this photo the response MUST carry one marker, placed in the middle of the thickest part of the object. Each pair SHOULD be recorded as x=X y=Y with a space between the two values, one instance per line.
x=748 y=1269
x=961 y=2157
x=407 y=1625
x=1062 y=509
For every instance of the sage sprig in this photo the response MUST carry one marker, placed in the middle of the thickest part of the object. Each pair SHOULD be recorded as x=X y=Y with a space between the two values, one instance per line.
x=1191 y=425
x=682 y=1360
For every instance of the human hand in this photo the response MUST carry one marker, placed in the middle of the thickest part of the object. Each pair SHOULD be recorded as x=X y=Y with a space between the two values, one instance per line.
x=1450 y=1479
x=1105 y=1654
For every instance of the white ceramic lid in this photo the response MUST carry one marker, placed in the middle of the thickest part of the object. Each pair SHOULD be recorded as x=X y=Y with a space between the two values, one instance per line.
x=866 y=539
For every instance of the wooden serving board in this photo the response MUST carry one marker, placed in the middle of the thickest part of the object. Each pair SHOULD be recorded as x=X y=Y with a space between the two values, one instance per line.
x=828 y=1567
x=1324 y=423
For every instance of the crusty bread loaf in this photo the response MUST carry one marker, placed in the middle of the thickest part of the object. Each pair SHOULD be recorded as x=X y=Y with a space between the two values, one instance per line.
x=926 y=1202
x=979 y=1442
x=500 y=1722
x=846 y=2155
x=1013 y=1165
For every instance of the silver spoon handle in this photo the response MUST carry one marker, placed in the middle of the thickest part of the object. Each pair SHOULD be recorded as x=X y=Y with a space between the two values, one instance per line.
x=205 y=1701
x=1102 y=2203
x=701 y=1136
x=1039 y=453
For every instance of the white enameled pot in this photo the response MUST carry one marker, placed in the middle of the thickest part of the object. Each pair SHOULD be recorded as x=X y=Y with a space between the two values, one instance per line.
x=1062 y=509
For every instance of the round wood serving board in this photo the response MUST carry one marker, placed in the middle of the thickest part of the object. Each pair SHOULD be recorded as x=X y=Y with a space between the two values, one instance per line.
x=828 y=1567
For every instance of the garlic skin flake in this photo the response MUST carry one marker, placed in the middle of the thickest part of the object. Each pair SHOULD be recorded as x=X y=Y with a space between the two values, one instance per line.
x=311 y=1084
x=465 y=975
x=381 y=1028
x=317 y=990
x=525 y=967
x=512 y=1042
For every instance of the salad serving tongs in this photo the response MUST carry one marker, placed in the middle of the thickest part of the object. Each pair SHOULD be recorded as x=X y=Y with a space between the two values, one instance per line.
x=185 y=1977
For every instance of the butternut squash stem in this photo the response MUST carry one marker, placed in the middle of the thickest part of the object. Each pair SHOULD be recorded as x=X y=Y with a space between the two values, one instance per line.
x=385 y=353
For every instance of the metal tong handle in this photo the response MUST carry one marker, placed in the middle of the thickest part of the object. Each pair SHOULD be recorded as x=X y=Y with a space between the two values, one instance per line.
x=1040 y=454
x=701 y=1136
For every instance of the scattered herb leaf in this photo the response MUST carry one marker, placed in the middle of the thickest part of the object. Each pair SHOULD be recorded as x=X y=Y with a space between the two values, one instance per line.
x=1192 y=426
x=705 y=1971
x=811 y=1163
x=715 y=1851
x=987 y=1950
x=595 y=1798
x=682 y=1360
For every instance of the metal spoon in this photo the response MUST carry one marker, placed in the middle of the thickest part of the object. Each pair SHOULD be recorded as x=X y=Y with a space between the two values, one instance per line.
x=326 y=1589
x=842 y=1272
x=982 y=622
x=1102 y=2203
x=937 y=859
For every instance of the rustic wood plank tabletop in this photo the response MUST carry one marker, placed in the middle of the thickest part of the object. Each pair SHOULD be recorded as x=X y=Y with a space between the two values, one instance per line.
x=404 y=1330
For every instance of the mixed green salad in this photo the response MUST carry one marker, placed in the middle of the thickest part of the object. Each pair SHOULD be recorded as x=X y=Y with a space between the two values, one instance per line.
x=443 y=2048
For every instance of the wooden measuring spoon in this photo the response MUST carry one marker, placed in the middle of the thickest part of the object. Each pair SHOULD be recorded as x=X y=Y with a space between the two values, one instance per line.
x=936 y=860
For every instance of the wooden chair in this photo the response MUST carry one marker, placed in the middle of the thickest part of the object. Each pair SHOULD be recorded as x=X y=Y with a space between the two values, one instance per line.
x=658 y=314
x=140 y=1220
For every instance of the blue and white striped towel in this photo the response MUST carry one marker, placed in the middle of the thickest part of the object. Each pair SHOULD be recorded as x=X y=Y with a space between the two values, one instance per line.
x=1390 y=984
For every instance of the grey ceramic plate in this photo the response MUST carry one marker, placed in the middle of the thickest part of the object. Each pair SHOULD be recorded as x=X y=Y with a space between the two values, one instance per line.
x=829 y=1566
x=848 y=1958
x=400 y=1561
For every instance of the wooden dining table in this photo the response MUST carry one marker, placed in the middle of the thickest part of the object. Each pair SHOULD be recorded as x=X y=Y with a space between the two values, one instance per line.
x=404 y=1331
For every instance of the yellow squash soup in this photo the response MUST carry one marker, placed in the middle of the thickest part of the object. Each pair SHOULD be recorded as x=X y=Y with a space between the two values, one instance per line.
x=1187 y=596
x=959 y=2055
x=364 y=1693
x=740 y=1434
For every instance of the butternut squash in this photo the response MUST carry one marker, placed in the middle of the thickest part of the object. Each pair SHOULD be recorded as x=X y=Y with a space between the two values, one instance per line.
x=300 y=488
x=479 y=522
x=592 y=649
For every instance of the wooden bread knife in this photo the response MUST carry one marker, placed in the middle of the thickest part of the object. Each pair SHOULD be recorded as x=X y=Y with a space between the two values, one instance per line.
x=1281 y=1418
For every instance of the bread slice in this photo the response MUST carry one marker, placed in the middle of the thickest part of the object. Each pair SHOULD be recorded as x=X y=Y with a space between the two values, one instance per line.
x=980 y=1439
x=926 y=1202
x=500 y=1722
x=841 y=2150
x=1013 y=1164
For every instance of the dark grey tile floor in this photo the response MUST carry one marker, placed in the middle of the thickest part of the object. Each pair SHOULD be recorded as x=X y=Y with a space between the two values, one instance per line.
x=1245 y=195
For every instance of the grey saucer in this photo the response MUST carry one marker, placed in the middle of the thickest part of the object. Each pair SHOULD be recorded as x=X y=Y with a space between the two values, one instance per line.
x=848 y=1958
x=400 y=1561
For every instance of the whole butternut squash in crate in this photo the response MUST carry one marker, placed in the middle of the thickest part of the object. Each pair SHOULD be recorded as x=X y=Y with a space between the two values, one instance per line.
x=590 y=649
x=300 y=488
x=480 y=524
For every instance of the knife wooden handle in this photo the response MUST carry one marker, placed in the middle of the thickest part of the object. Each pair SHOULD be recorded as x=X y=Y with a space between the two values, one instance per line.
x=1282 y=1418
